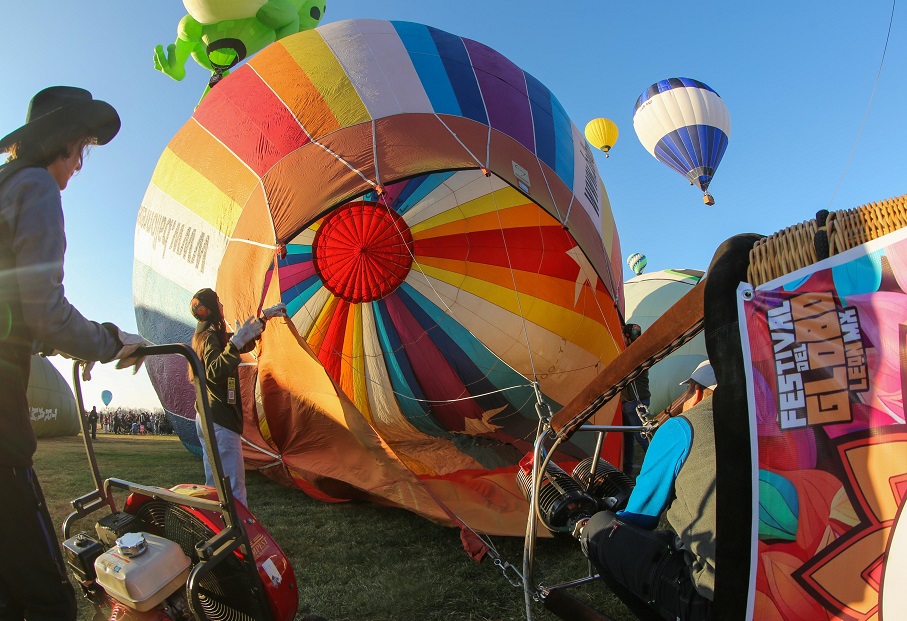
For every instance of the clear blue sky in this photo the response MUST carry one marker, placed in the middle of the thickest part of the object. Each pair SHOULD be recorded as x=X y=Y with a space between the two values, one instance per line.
x=796 y=76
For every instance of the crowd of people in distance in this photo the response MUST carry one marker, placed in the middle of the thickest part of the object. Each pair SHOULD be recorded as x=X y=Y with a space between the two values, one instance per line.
x=124 y=421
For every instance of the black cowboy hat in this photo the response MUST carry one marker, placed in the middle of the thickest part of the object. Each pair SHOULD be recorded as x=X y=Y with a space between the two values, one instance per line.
x=62 y=106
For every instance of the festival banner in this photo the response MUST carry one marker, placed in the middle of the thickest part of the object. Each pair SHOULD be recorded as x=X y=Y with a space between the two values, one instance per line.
x=825 y=350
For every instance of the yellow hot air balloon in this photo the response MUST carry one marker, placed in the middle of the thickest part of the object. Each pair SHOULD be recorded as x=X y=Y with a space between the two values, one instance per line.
x=601 y=134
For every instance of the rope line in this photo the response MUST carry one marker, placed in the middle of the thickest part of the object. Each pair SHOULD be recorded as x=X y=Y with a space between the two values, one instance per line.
x=868 y=108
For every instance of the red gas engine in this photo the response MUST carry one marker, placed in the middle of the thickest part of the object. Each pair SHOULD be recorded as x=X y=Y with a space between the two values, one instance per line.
x=178 y=554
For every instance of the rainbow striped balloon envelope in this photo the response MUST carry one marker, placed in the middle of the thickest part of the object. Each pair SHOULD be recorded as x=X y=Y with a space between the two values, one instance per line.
x=438 y=230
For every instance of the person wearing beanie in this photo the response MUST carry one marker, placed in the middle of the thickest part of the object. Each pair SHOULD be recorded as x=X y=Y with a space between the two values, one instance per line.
x=665 y=574
x=219 y=352
x=35 y=317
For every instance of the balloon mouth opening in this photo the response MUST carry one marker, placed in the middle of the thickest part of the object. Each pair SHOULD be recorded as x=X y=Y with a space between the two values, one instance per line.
x=363 y=252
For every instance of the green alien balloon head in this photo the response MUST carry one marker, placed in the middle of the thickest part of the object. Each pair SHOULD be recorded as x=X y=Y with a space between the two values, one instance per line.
x=218 y=34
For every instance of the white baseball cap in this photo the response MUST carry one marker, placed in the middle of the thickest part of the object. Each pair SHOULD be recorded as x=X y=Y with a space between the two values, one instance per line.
x=703 y=375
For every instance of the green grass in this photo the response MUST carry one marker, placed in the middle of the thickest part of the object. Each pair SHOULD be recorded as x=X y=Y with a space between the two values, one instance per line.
x=353 y=561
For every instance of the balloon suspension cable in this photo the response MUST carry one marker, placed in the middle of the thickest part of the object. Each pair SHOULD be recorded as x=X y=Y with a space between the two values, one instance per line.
x=868 y=108
x=609 y=394
x=482 y=167
x=540 y=460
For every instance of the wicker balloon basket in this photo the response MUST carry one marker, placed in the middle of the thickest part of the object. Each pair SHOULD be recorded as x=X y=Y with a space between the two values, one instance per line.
x=828 y=234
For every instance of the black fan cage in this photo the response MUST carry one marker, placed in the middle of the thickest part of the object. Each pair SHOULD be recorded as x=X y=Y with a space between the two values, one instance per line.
x=227 y=592
x=608 y=480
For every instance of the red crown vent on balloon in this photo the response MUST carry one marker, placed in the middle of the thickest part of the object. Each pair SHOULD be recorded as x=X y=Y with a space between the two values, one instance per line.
x=363 y=251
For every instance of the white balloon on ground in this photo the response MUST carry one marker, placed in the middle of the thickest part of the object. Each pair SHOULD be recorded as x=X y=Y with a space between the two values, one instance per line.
x=51 y=404
x=648 y=296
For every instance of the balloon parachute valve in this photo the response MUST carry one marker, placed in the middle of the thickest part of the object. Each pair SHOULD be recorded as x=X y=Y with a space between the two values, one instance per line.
x=707 y=199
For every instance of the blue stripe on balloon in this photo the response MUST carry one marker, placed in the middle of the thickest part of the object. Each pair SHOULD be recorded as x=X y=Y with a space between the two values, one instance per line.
x=419 y=188
x=400 y=373
x=542 y=121
x=479 y=369
x=691 y=147
x=296 y=296
x=423 y=52
x=461 y=74
x=299 y=249
x=299 y=254
x=563 y=139
x=669 y=84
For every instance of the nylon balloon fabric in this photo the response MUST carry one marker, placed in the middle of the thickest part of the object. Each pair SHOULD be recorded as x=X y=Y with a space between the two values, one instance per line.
x=684 y=124
x=648 y=296
x=438 y=230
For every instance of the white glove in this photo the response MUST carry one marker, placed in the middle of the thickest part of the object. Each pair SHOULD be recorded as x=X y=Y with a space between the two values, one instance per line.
x=86 y=370
x=86 y=365
x=247 y=332
x=126 y=356
x=279 y=309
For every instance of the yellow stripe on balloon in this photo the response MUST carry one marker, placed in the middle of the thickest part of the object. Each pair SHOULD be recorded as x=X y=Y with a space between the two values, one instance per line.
x=489 y=203
x=346 y=368
x=190 y=188
x=213 y=160
x=557 y=291
x=328 y=77
x=574 y=327
x=319 y=329
x=357 y=364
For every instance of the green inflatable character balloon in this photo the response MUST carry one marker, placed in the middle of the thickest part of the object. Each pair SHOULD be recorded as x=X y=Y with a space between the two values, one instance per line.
x=218 y=34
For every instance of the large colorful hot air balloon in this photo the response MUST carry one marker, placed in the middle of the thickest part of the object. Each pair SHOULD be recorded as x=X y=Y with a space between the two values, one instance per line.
x=647 y=298
x=439 y=232
x=685 y=124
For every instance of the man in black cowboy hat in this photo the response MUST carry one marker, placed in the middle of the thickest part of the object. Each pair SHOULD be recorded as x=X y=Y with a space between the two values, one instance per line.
x=35 y=316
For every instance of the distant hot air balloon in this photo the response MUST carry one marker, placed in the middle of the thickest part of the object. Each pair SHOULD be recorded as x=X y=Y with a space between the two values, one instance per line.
x=601 y=134
x=106 y=397
x=637 y=262
x=685 y=124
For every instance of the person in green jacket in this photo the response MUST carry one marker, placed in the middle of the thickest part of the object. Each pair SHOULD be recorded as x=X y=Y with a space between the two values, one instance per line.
x=219 y=352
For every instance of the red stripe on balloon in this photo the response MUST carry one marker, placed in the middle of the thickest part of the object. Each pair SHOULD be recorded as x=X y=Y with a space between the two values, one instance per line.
x=331 y=352
x=439 y=382
x=251 y=121
x=539 y=250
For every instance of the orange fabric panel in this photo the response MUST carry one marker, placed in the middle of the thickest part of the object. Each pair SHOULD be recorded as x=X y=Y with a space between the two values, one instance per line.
x=410 y=144
x=292 y=85
x=251 y=432
x=310 y=181
x=242 y=297
x=321 y=435
x=211 y=159
x=305 y=184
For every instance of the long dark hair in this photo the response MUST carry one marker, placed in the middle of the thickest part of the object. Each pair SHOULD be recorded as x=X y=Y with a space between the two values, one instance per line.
x=198 y=340
x=47 y=148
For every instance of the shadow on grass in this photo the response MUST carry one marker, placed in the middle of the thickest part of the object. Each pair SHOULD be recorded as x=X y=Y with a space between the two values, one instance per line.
x=353 y=561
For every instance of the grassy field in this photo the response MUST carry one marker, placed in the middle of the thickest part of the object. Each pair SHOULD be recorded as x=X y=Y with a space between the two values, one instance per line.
x=353 y=561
